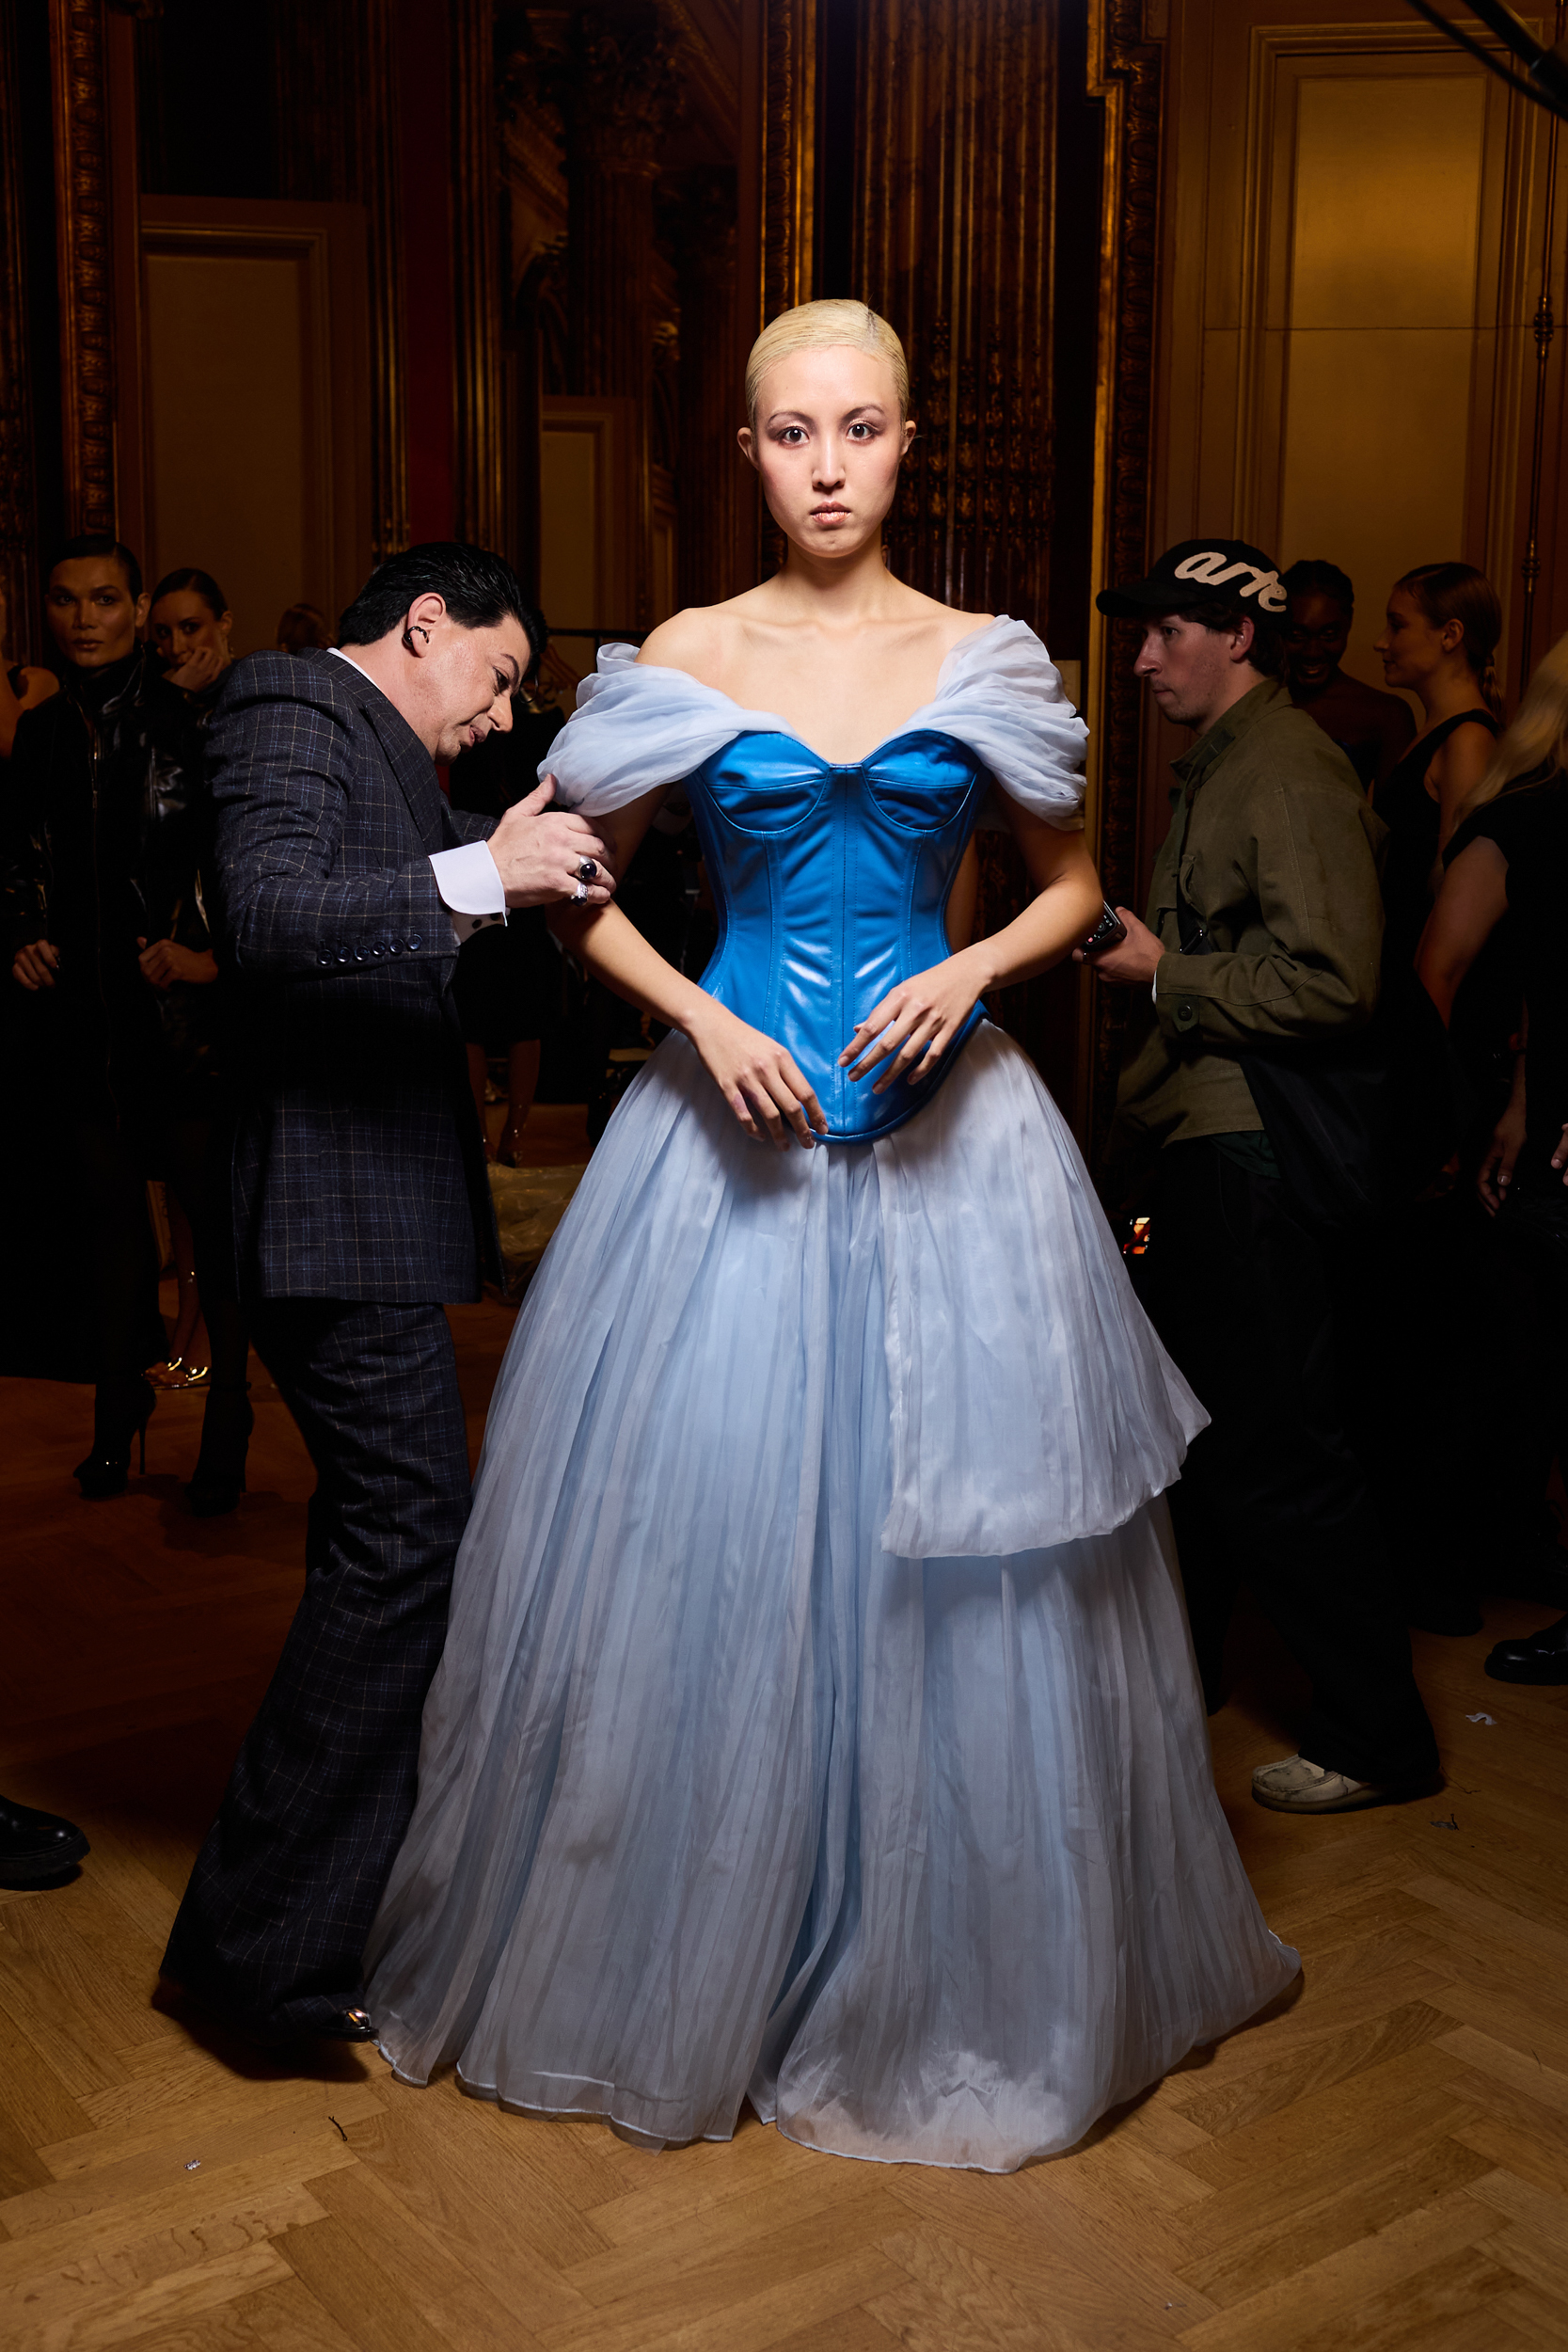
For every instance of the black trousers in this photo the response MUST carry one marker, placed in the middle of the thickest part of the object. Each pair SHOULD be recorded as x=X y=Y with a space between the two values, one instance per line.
x=280 y=1901
x=1271 y=1495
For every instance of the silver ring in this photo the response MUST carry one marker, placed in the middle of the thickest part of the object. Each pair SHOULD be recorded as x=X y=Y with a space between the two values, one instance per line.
x=587 y=870
x=580 y=895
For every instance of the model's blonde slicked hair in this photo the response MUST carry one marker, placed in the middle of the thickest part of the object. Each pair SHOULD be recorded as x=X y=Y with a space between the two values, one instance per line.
x=1537 y=739
x=825 y=326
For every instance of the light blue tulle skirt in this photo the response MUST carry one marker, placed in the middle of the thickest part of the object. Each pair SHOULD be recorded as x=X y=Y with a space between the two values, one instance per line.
x=818 y=1723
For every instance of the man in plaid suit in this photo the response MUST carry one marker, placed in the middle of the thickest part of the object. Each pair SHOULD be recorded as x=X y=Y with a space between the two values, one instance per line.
x=360 y=1203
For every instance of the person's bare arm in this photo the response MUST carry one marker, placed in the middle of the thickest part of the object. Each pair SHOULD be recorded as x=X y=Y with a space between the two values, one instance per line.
x=1458 y=766
x=762 y=1084
x=1495 y=1172
x=1470 y=905
x=910 y=1028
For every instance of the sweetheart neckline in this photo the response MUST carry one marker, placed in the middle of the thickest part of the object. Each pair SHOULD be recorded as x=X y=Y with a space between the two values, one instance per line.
x=838 y=767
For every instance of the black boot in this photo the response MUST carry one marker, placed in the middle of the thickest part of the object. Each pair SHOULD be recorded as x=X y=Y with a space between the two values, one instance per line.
x=1534 y=1658
x=219 y=1478
x=122 y=1408
x=36 y=1848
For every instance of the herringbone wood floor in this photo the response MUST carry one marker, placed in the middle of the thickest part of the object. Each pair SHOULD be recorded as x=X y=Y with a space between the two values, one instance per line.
x=1382 y=2161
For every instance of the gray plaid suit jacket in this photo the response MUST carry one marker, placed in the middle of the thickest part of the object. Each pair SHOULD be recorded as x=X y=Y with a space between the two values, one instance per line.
x=358 y=1169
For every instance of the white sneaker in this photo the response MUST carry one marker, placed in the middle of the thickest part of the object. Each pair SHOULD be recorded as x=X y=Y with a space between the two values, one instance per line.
x=1295 y=1785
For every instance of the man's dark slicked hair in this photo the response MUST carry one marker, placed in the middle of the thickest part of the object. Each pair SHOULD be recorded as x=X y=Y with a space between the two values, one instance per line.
x=479 y=590
x=98 y=543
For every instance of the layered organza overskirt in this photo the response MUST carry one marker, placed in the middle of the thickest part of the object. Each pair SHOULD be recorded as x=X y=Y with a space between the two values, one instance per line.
x=818 y=1721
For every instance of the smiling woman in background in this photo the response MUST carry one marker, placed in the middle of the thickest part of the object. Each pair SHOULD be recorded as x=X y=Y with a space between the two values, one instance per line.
x=1371 y=729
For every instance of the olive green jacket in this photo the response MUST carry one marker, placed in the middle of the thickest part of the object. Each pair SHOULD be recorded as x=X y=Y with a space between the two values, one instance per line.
x=1276 y=852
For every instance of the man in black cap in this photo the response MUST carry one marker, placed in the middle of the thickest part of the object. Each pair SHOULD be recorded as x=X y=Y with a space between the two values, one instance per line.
x=1264 y=934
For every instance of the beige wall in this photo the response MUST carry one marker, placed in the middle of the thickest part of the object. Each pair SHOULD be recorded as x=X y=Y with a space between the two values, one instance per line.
x=585 y=508
x=255 y=403
x=1381 y=313
x=229 y=440
x=1352 y=220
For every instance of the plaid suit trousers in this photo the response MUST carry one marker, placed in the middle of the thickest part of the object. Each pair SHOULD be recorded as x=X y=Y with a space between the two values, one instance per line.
x=280 y=1901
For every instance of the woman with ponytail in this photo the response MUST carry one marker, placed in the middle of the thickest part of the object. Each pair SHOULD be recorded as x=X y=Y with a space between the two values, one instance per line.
x=1443 y=624
x=1422 y=1293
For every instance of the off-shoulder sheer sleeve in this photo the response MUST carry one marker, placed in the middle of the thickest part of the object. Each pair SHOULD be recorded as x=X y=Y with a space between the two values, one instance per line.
x=999 y=692
x=637 y=726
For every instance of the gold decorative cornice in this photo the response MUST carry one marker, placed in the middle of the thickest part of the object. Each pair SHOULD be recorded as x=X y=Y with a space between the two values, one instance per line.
x=789 y=154
x=623 y=89
x=77 y=63
x=1126 y=69
x=18 y=516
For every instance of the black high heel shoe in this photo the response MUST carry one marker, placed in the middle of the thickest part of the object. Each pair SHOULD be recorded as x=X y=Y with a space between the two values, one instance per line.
x=218 y=1480
x=121 y=1409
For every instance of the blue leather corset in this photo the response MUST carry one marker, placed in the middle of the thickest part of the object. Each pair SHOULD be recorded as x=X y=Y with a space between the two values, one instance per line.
x=831 y=883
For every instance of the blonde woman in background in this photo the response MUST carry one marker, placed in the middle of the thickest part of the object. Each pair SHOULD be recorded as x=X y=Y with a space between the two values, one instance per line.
x=817 y=1724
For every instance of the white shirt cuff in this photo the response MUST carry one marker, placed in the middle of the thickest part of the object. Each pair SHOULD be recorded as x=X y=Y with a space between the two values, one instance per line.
x=470 y=888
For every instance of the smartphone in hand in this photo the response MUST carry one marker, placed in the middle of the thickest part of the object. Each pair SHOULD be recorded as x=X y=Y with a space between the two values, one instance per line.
x=1108 y=933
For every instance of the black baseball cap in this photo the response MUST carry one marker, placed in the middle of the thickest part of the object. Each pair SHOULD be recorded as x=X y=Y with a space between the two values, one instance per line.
x=1193 y=570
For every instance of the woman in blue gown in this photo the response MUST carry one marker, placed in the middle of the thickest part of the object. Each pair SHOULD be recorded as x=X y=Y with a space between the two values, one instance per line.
x=818 y=1723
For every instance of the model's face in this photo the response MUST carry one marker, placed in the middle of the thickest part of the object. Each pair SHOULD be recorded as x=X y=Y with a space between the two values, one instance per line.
x=183 y=622
x=467 y=679
x=1187 y=668
x=1412 y=647
x=91 y=614
x=828 y=442
x=1316 y=631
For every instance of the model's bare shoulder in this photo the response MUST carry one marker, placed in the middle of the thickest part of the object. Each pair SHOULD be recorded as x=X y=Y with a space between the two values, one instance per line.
x=951 y=626
x=692 y=641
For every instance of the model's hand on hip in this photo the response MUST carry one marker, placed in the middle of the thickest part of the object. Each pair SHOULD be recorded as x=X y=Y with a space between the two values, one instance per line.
x=761 y=1083
x=36 y=964
x=915 y=1023
x=1132 y=960
x=542 y=854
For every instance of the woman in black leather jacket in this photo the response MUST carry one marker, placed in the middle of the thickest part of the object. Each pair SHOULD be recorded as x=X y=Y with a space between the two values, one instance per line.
x=106 y=834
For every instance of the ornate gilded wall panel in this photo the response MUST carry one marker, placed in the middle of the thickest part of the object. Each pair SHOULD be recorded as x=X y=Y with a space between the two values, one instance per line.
x=18 y=518
x=619 y=90
x=476 y=195
x=710 y=481
x=338 y=142
x=1127 y=69
x=85 y=267
x=953 y=240
x=790 y=35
